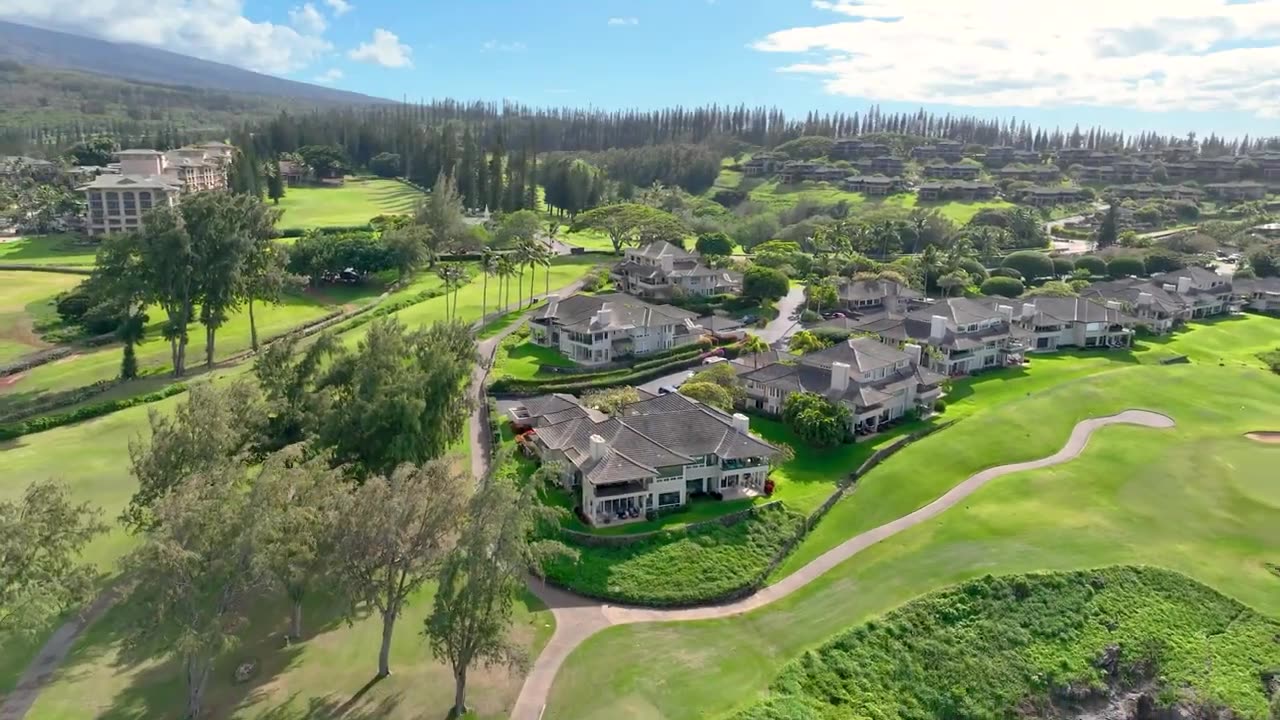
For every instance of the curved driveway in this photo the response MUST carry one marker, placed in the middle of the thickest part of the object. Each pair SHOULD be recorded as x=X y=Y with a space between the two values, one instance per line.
x=578 y=619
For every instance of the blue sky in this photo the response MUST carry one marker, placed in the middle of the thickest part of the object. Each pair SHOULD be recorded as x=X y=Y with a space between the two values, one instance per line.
x=1172 y=66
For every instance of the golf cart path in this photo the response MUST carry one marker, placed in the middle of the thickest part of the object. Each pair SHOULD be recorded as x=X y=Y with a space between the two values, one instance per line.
x=578 y=618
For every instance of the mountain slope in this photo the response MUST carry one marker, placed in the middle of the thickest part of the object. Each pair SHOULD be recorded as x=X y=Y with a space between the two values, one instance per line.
x=31 y=46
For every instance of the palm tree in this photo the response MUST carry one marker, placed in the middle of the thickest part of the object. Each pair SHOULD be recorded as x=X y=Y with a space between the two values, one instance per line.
x=488 y=265
x=755 y=345
x=521 y=256
x=452 y=275
x=930 y=265
x=546 y=259
x=506 y=268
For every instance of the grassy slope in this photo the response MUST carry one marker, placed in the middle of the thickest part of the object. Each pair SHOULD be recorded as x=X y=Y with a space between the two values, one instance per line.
x=1198 y=499
x=23 y=296
x=47 y=250
x=358 y=200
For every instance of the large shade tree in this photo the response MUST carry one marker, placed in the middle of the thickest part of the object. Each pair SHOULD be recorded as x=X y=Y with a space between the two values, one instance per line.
x=632 y=224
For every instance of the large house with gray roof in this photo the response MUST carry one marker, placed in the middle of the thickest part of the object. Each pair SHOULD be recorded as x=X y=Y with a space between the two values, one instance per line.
x=877 y=382
x=1058 y=322
x=598 y=329
x=1260 y=294
x=1165 y=300
x=660 y=269
x=871 y=296
x=966 y=334
x=655 y=454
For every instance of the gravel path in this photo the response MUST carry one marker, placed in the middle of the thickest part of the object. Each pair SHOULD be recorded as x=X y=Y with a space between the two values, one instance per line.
x=578 y=619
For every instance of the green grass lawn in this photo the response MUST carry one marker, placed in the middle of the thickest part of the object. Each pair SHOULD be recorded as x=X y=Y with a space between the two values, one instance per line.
x=592 y=240
x=1199 y=499
x=354 y=203
x=518 y=357
x=1234 y=340
x=24 y=298
x=303 y=680
x=48 y=250
x=103 y=363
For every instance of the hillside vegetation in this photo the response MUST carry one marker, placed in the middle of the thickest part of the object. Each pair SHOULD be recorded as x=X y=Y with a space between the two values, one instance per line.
x=1039 y=646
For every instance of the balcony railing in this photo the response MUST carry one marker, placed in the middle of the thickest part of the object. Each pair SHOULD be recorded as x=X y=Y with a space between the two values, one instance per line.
x=741 y=463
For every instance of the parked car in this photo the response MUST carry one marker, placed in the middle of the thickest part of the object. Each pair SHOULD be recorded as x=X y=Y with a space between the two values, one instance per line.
x=668 y=390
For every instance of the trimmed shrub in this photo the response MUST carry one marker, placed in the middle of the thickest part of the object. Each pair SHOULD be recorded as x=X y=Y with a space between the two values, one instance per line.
x=1031 y=264
x=679 y=568
x=1004 y=286
x=1063 y=266
x=1006 y=272
x=1096 y=266
x=1125 y=266
x=976 y=269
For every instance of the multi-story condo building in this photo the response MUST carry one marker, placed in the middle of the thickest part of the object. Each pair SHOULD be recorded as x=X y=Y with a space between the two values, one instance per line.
x=864 y=297
x=877 y=382
x=1234 y=191
x=854 y=149
x=1056 y=323
x=967 y=334
x=948 y=150
x=876 y=185
x=1045 y=196
x=959 y=189
x=958 y=171
x=1032 y=173
x=149 y=179
x=598 y=329
x=661 y=269
x=763 y=163
x=1165 y=300
x=652 y=455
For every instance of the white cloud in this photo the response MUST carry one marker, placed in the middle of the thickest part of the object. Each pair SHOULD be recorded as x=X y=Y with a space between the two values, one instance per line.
x=307 y=19
x=339 y=7
x=1171 y=55
x=210 y=29
x=624 y=21
x=385 y=49
x=328 y=76
x=495 y=46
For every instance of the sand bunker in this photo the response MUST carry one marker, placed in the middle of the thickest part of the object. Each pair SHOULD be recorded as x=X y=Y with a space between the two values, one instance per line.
x=1269 y=437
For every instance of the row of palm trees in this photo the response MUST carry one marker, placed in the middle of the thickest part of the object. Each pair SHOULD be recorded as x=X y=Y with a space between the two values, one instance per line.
x=528 y=253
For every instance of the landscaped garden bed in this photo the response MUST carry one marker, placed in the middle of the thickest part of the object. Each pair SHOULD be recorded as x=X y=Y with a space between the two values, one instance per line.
x=676 y=568
x=1037 y=645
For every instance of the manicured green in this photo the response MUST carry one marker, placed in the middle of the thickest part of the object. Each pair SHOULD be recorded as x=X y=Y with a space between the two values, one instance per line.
x=48 y=250
x=24 y=298
x=1234 y=340
x=1199 y=498
x=995 y=646
x=591 y=240
x=682 y=567
x=518 y=357
x=354 y=203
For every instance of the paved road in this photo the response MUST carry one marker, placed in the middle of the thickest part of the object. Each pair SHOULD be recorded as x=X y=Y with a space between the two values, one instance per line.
x=674 y=380
x=578 y=619
x=788 y=312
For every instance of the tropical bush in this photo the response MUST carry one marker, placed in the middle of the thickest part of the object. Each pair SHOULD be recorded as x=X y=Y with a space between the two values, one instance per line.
x=1006 y=286
x=1006 y=647
x=679 y=567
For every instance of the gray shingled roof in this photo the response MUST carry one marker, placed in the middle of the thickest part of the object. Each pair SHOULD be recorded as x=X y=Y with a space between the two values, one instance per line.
x=115 y=182
x=660 y=431
x=861 y=354
x=1056 y=310
x=580 y=312
x=873 y=290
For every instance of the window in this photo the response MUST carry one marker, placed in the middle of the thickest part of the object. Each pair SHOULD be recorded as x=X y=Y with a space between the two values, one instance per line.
x=668 y=499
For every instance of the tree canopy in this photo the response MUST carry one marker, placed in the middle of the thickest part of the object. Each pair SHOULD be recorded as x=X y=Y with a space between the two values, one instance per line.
x=632 y=224
x=816 y=420
x=762 y=283
x=1033 y=265
x=1003 y=286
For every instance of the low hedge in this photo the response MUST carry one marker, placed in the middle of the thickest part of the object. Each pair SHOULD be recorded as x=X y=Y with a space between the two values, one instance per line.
x=87 y=412
x=639 y=373
x=293 y=232
x=679 y=568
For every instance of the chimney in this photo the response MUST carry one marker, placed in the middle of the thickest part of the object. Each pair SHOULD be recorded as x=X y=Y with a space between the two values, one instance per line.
x=1006 y=311
x=1113 y=305
x=839 y=376
x=668 y=263
x=915 y=352
x=605 y=316
x=937 y=327
x=553 y=304
x=598 y=447
x=741 y=423
x=1184 y=285
x=1028 y=310
x=1144 y=298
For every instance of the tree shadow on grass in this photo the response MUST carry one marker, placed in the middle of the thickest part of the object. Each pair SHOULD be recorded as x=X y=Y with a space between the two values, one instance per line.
x=357 y=707
x=157 y=688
